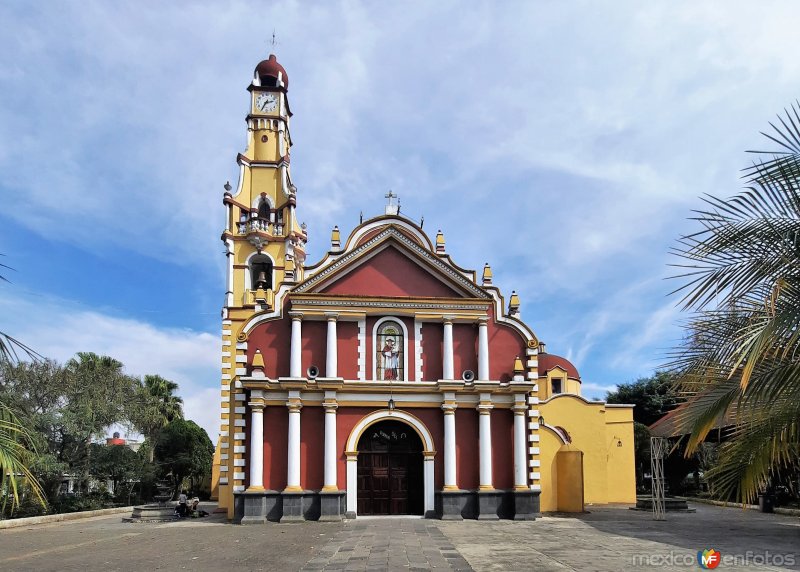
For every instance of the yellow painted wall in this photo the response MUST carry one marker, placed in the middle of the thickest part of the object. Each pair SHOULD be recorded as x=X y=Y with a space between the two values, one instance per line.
x=595 y=430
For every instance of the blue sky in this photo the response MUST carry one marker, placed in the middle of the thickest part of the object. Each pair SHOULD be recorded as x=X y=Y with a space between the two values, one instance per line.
x=565 y=143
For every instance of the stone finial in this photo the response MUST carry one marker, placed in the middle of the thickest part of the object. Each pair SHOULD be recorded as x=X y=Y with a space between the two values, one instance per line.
x=440 y=242
x=519 y=370
x=513 y=304
x=257 y=365
x=336 y=243
x=487 y=275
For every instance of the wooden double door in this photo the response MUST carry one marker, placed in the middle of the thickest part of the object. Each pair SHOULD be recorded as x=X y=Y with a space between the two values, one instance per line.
x=390 y=479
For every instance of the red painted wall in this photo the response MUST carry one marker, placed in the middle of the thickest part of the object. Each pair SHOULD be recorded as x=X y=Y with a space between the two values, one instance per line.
x=347 y=345
x=467 y=449
x=503 y=448
x=315 y=336
x=390 y=273
x=431 y=351
x=273 y=339
x=312 y=447
x=505 y=344
x=276 y=428
x=465 y=349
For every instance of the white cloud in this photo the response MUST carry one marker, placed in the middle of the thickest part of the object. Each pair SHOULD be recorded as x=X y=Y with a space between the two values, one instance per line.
x=58 y=329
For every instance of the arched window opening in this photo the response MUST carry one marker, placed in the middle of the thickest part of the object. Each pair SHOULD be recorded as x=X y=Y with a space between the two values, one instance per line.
x=263 y=209
x=261 y=272
x=268 y=80
x=389 y=350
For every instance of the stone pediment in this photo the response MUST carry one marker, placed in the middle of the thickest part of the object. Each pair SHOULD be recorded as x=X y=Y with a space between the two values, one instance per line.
x=390 y=264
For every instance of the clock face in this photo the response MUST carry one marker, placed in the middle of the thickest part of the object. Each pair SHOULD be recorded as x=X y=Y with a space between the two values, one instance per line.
x=266 y=102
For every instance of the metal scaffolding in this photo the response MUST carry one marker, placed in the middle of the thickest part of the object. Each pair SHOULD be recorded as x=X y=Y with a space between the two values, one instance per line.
x=658 y=449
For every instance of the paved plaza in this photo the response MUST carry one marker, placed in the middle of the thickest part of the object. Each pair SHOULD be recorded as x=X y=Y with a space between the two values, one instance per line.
x=604 y=539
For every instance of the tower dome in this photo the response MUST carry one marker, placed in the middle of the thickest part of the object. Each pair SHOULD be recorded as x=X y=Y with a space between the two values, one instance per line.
x=270 y=73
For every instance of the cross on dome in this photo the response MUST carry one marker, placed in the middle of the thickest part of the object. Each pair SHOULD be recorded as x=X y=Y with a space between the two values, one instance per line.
x=392 y=207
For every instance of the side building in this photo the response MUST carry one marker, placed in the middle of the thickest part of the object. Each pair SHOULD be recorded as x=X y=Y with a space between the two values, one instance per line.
x=385 y=378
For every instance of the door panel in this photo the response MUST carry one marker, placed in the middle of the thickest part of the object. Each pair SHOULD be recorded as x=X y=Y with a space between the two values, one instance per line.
x=390 y=470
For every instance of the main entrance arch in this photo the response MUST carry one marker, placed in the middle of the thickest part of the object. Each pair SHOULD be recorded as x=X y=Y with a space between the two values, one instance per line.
x=390 y=469
x=390 y=465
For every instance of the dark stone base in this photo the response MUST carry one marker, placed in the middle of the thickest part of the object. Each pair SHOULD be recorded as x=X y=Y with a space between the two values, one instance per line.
x=486 y=505
x=670 y=505
x=331 y=506
x=526 y=505
x=260 y=507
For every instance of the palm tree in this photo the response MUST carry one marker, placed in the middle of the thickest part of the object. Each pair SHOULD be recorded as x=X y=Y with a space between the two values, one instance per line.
x=740 y=361
x=17 y=452
x=156 y=405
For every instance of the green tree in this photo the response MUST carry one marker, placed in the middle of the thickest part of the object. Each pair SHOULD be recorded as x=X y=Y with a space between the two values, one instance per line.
x=154 y=406
x=184 y=451
x=17 y=454
x=653 y=396
x=740 y=361
x=97 y=394
x=119 y=464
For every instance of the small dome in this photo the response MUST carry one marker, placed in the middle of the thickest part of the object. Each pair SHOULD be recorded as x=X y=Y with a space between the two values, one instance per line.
x=549 y=361
x=272 y=69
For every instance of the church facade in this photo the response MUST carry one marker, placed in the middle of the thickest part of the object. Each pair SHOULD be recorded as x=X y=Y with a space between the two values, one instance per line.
x=385 y=378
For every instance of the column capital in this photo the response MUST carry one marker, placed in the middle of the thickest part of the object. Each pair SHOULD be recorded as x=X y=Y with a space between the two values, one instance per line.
x=294 y=404
x=449 y=408
x=331 y=316
x=295 y=315
x=448 y=319
x=330 y=406
x=482 y=320
x=257 y=404
x=519 y=408
x=484 y=408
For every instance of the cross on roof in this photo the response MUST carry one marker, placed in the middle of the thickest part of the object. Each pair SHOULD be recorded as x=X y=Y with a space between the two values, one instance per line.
x=392 y=207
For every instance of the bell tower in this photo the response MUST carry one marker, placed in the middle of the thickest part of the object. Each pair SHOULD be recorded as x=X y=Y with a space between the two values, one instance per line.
x=266 y=243
x=265 y=247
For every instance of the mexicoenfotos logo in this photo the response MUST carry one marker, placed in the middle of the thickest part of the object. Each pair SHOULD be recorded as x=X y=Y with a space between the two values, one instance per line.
x=709 y=558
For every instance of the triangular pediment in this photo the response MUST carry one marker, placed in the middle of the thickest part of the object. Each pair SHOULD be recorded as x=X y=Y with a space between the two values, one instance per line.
x=391 y=265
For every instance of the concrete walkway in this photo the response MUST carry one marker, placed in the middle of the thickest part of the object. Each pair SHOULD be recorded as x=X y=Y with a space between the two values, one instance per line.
x=605 y=539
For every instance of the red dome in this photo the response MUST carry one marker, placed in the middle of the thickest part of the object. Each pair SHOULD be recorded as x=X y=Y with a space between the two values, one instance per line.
x=549 y=361
x=270 y=67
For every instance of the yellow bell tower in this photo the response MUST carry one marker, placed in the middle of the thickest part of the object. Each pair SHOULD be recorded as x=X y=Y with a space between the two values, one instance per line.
x=266 y=249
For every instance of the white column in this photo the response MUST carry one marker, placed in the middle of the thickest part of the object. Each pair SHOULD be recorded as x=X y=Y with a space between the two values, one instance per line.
x=352 y=484
x=256 y=446
x=428 y=483
x=329 y=480
x=295 y=362
x=520 y=466
x=447 y=350
x=485 y=440
x=450 y=483
x=483 y=350
x=331 y=357
x=293 y=468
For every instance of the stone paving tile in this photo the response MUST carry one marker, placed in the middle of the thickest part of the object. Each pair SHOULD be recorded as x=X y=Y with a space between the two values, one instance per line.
x=389 y=544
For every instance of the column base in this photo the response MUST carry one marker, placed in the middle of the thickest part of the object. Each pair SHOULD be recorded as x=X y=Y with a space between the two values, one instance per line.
x=331 y=505
x=489 y=503
x=526 y=505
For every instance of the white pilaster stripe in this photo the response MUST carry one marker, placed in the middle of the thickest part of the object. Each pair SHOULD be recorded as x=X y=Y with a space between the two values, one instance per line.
x=240 y=396
x=241 y=371
x=226 y=332
x=223 y=480
x=238 y=488
x=239 y=423
x=241 y=345
x=241 y=359
x=238 y=476
x=226 y=366
x=238 y=436
x=239 y=449
x=239 y=463
x=226 y=354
